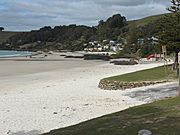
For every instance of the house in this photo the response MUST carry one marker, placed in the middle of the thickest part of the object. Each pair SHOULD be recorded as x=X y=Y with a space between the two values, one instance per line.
x=99 y=45
x=151 y=40
x=111 y=42
x=85 y=44
x=95 y=42
x=116 y=48
x=105 y=45
x=140 y=41
x=39 y=42
x=154 y=40
x=100 y=49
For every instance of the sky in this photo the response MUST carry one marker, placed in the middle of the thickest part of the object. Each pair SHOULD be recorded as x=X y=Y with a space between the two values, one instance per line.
x=26 y=15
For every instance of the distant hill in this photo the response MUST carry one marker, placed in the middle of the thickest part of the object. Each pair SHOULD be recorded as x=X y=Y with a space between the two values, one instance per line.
x=146 y=20
x=73 y=37
x=143 y=34
x=5 y=35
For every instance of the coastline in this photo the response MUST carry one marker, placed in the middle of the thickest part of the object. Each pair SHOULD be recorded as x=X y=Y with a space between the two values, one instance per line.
x=45 y=95
x=11 y=54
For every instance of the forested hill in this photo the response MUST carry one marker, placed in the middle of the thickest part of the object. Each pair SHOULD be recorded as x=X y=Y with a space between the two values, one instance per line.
x=70 y=37
x=74 y=37
x=5 y=35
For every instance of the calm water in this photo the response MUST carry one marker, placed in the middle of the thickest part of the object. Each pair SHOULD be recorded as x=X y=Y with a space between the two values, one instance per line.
x=13 y=53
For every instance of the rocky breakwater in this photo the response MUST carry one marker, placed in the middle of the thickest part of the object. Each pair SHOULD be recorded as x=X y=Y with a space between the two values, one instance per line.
x=117 y=85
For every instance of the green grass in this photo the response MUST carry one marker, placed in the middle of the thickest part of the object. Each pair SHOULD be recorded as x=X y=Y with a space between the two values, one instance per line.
x=145 y=21
x=161 y=117
x=154 y=74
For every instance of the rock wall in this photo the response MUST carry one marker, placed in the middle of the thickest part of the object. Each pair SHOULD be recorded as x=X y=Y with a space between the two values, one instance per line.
x=116 y=85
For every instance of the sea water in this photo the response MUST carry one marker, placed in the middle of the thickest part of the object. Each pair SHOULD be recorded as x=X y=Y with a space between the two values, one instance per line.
x=4 y=53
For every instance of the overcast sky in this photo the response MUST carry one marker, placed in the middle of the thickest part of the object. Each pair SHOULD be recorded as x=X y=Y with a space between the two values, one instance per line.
x=25 y=15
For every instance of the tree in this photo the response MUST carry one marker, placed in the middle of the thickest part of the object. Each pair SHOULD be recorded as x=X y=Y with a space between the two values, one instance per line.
x=175 y=6
x=169 y=30
x=101 y=23
x=111 y=28
x=175 y=39
x=46 y=28
x=1 y=28
x=116 y=21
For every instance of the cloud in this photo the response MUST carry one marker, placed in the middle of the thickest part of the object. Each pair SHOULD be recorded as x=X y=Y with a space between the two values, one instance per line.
x=121 y=2
x=32 y=14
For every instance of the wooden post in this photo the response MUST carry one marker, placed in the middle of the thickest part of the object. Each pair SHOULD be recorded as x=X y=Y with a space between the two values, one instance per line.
x=164 y=51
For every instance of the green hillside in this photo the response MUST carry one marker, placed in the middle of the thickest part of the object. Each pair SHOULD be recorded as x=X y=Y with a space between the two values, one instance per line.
x=146 y=20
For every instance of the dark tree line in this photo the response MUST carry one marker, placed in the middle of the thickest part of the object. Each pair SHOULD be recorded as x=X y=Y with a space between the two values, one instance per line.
x=72 y=36
x=1 y=28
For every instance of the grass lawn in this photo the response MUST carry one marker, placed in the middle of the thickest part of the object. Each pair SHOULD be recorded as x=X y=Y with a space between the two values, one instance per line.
x=144 y=21
x=161 y=118
x=154 y=74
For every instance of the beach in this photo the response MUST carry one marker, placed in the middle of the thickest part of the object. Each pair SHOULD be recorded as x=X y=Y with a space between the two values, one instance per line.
x=39 y=96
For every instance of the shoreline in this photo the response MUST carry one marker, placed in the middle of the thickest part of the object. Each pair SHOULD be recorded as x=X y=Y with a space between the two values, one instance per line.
x=58 y=94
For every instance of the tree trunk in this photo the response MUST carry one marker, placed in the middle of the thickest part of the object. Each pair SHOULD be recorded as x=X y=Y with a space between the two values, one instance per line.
x=176 y=65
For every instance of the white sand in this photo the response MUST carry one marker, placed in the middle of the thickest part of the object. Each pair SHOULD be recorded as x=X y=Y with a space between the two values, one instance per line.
x=36 y=97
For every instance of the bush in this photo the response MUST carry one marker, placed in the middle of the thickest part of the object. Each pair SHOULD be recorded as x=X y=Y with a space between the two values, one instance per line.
x=96 y=57
x=131 y=62
x=121 y=55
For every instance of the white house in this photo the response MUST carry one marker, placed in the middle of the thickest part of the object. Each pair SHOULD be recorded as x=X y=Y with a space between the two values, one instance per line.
x=112 y=42
x=140 y=41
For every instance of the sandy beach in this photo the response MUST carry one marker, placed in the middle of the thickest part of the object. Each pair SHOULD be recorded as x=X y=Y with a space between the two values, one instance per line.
x=39 y=96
